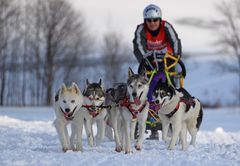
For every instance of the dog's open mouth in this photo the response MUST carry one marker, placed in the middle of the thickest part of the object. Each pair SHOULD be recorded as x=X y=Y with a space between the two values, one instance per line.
x=156 y=106
x=137 y=101
x=69 y=115
x=160 y=105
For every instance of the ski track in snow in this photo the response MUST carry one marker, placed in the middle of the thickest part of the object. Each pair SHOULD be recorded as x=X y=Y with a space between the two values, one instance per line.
x=34 y=142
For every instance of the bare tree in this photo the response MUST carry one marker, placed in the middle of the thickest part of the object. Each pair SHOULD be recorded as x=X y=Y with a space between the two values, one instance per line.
x=59 y=40
x=229 y=35
x=8 y=41
x=226 y=29
x=115 y=54
x=41 y=42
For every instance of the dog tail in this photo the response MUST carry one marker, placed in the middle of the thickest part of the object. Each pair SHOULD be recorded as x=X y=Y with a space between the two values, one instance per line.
x=200 y=116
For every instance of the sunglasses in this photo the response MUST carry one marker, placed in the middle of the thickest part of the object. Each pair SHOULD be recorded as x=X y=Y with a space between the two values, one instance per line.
x=152 y=19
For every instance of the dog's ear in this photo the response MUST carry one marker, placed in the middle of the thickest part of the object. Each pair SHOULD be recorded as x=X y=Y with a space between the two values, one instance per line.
x=172 y=89
x=87 y=82
x=143 y=71
x=101 y=84
x=109 y=90
x=75 y=87
x=130 y=72
x=63 y=88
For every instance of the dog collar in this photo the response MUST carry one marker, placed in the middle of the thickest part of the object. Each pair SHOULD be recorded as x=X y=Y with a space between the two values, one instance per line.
x=174 y=111
x=68 y=116
x=126 y=103
x=95 y=110
x=188 y=103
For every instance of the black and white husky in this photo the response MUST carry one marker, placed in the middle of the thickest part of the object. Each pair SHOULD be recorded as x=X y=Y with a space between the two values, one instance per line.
x=135 y=108
x=182 y=111
x=68 y=102
x=93 y=106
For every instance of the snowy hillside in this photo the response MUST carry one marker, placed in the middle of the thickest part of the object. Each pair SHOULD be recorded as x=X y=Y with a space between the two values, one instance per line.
x=28 y=138
x=205 y=81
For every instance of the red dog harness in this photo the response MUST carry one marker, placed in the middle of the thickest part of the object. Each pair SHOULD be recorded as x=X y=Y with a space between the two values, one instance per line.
x=188 y=102
x=126 y=103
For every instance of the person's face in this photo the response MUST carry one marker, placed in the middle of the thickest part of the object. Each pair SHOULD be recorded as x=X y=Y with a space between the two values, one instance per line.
x=153 y=23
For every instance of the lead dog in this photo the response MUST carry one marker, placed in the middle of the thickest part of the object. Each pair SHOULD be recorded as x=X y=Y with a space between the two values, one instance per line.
x=135 y=107
x=179 y=108
x=68 y=102
x=94 y=99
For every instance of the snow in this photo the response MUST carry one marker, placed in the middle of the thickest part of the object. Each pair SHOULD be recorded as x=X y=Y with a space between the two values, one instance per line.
x=210 y=84
x=29 y=138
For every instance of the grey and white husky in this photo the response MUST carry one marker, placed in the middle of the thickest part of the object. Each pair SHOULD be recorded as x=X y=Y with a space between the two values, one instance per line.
x=94 y=99
x=178 y=108
x=114 y=96
x=68 y=102
x=134 y=108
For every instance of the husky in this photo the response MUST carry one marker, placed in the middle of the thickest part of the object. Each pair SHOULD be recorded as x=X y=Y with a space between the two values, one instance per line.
x=114 y=96
x=94 y=99
x=135 y=108
x=68 y=102
x=178 y=108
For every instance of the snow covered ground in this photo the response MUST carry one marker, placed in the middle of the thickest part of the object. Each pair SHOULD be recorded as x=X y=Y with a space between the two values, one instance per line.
x=29 y=138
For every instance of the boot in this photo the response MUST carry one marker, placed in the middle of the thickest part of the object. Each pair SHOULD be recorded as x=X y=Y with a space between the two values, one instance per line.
x=154 y=135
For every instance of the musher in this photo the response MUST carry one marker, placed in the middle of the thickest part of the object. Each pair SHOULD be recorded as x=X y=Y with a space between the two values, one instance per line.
x=153 y=39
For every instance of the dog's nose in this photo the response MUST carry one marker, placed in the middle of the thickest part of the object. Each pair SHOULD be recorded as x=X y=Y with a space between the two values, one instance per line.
x=134 y=94
x=67 y=110
x=157 y=101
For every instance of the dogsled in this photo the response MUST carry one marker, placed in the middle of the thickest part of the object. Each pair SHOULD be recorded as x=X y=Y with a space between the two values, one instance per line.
x=169 y=74
x=161 y=69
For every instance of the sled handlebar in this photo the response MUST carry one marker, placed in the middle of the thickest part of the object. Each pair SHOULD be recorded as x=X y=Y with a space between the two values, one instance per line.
x=169 y=61
x=183 y=72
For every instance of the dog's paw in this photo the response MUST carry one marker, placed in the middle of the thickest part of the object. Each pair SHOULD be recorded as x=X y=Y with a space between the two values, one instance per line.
x=90 y=141
x=75 y=150
x=127 y=151
x=166 y=139
x=118 y=149
x=184 y=148
x=171 y=148
x=138 y=147
x=78 y=149
x=65 y=149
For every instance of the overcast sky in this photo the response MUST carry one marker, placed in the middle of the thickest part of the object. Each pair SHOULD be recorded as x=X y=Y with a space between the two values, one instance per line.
x=124 y=15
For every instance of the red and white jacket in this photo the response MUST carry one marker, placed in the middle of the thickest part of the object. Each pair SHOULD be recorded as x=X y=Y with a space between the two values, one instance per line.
x=166 y=40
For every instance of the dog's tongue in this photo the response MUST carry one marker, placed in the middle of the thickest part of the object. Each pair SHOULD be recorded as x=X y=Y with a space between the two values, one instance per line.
x=137 y=101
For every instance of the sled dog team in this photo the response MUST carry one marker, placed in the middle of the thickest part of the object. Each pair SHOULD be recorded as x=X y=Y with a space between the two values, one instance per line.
x=121 y=108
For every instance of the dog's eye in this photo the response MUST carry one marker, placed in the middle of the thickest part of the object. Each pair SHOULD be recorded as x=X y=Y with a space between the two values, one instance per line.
x=72 y=101
x=163 y=93
x=131 y=86
x=140 y=85
x=64 y=101
x=155 y=93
